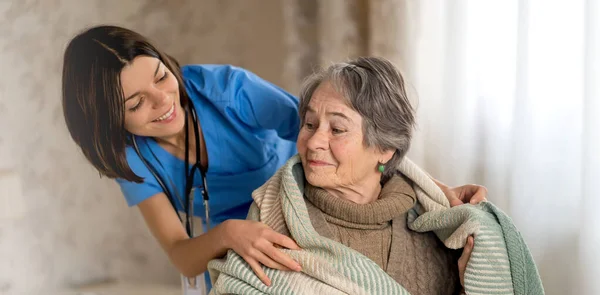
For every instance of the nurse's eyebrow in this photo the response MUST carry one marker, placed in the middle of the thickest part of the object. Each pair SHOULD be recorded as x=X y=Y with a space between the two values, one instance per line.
x=137 y=92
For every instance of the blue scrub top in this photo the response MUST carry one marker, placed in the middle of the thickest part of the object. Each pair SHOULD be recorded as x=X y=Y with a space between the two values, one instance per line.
x=250 y=127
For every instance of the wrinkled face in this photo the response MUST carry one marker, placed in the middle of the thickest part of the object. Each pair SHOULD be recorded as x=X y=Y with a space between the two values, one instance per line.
x=331 y=146
x=152 y=102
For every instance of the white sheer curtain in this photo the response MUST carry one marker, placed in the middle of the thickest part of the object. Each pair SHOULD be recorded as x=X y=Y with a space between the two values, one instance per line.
x=509 y=97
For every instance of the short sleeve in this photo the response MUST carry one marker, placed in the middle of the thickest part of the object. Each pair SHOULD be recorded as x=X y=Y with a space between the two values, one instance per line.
x=137 y=192
x=255 y=101
x=264 y=104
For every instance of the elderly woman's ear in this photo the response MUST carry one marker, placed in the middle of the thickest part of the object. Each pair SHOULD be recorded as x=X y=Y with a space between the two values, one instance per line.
x=386 y=156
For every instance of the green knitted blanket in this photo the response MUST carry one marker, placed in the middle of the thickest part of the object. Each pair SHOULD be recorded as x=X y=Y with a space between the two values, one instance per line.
x=500 y=262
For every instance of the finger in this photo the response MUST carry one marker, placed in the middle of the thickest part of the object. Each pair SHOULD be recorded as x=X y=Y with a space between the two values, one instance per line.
x=284 y=241
x=452 y=198
x=258 y=270
x=479 y=196
x=467 y=250
x=454 y=201
x=282 y=258
x=464 y=259
x=467 y=192
x=267 y=261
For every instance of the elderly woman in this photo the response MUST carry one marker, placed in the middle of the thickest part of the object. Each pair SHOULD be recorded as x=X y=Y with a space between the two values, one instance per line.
x=352 y=202
x=356 y=128
x=357 y=124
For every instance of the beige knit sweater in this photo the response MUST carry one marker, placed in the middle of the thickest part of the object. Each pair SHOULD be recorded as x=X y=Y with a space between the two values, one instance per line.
x=418 y=261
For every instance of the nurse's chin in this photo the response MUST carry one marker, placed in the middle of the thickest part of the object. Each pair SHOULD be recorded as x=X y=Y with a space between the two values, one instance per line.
x=165 y=132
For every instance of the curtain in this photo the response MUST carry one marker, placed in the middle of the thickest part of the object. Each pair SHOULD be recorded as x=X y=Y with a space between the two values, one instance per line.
x=508 y=98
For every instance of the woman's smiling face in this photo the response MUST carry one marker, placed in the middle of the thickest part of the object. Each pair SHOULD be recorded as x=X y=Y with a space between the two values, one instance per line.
x=331 y=143
x=152 y=100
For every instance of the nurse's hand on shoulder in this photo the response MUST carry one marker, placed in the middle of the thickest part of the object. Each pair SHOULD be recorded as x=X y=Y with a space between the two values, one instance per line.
x=469 y=193
x=257 y=244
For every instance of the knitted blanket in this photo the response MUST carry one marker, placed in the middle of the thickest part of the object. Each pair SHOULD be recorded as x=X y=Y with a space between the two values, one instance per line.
x=500 y=262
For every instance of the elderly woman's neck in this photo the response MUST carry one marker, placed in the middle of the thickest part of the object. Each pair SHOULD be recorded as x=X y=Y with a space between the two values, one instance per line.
x=360 y=193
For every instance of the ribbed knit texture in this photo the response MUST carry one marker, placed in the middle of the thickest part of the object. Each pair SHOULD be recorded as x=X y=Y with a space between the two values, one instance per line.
x=396 y=198
x=378 y=230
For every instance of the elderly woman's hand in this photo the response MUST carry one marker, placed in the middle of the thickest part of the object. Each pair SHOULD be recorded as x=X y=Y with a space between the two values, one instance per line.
x=464 y=259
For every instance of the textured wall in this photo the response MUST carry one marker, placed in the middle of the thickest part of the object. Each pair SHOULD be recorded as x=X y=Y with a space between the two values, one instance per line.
x=77 y=228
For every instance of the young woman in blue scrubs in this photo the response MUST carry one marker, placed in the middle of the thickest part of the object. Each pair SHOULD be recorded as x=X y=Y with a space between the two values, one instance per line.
x=118 y=87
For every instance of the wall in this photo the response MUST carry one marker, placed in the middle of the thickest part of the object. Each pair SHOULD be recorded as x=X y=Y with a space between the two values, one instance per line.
x=75 y=227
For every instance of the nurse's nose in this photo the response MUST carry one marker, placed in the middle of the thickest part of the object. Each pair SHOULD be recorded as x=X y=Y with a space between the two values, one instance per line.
x=160 y=98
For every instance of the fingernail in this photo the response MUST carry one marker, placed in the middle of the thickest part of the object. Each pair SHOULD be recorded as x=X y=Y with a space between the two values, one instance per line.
x=298 y=267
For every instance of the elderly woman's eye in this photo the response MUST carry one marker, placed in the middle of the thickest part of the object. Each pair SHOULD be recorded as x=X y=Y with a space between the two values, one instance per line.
x=337 y=131
x=309 y=126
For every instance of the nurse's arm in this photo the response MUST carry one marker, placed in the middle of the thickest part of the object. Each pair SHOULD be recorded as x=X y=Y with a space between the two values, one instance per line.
x=190 y=256
x=252 y=240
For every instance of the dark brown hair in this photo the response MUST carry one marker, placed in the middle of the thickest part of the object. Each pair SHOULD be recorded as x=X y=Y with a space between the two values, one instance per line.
x=92 y=96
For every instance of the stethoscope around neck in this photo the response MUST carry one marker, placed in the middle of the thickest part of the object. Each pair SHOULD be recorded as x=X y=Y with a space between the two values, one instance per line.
x=188 y=204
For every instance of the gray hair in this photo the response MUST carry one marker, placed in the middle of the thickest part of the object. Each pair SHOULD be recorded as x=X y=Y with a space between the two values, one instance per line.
x=374 y=88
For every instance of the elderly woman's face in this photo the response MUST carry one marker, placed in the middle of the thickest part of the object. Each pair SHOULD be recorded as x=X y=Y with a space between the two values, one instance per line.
x=331 y=146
